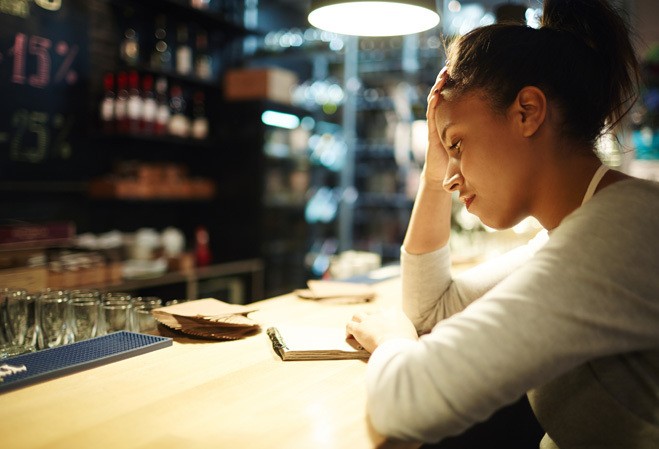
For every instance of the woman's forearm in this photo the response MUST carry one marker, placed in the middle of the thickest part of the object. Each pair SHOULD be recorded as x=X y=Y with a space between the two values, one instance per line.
x=430 y=224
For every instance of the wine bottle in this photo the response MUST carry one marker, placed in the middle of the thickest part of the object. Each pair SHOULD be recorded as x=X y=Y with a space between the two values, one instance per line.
x=121 y=104
x=179 y=123
x=135 y=103
x=106 y=111
x=183 y=51
x=130 y=47
x=161 y=56
x=199 y=129
x=203 y=60
x=149 y=106
x=163 y=113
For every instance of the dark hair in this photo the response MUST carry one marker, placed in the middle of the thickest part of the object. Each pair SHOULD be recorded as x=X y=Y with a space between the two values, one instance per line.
x=581 y=57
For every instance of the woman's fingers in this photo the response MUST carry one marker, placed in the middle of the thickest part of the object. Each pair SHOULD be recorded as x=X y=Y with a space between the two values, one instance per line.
x=435 y=164
x=433 y=101
x=359 y=317
x=354 y=322
x=433 y=97
x=442 y=74
x=439 y=84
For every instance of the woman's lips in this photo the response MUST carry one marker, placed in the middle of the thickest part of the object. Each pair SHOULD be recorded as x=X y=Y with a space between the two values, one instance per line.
x=467 y=200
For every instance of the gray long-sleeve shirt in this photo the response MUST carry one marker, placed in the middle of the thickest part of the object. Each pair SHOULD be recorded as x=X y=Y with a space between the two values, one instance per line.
x=574 y=323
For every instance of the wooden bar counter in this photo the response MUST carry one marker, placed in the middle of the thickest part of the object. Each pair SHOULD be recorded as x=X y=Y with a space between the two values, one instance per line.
x=199 y=394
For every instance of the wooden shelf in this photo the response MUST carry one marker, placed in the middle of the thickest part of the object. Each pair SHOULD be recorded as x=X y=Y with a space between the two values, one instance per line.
x=187 y=143
x=207 y=18
x=44 y=187
x=251 y=267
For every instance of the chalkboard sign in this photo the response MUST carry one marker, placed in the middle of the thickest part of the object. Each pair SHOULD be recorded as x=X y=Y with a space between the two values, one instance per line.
x=44 y=71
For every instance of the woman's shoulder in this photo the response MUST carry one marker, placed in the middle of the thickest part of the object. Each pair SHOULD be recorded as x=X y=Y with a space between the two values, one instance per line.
x=623 y=215
x=622 y=212
x=627 y=198
x=629 y=184
x=613 y=236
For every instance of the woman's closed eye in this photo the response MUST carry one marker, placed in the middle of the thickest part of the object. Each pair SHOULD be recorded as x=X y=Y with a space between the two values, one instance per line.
x=456 y=147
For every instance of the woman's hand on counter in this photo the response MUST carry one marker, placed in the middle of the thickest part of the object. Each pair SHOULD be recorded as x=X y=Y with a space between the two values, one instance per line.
x=372 y=329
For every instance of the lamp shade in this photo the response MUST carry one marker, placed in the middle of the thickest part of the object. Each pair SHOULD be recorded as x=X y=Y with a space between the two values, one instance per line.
x=374 y=17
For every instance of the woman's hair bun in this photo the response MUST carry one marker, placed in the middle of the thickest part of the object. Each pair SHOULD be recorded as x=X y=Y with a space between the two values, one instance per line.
x=582 y=57
x=591 y=21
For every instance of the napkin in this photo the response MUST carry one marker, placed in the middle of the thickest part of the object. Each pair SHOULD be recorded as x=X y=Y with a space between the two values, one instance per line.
x=208 y=318
x=337 y=290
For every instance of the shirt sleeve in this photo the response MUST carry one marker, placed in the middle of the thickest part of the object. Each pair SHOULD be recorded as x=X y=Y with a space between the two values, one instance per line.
x=583 y=296
x=431 y=293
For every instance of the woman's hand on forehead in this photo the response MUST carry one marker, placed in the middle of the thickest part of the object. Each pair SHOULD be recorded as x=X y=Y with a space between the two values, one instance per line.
x=442 y=76
x=436 y=158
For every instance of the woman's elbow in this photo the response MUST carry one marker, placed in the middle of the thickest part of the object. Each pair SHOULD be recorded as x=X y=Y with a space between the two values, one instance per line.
x=401 y=416
x=405 y=405
x=390 y=424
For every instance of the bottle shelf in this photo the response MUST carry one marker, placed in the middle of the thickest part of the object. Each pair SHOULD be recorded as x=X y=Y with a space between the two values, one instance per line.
x=185 y=143
x=381 y=104
x=296 y=54
x=384 y=200
x=172 y=75
x=374 y=150
x=292 y=204
x=41 y=187
x=182 y=9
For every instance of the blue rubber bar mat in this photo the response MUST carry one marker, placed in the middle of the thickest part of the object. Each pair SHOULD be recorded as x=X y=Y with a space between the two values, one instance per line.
x=27 y=369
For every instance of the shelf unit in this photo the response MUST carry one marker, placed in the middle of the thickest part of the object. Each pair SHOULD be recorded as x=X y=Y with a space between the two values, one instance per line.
x=273 y=196
x=200 y=158
x=372 y=192
x=235 y=276
x=30 y=195
x=394 y=76
x=369 y=190
x=293 y=230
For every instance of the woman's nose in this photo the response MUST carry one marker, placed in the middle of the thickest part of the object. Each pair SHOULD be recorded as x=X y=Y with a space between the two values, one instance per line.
x=453 y=178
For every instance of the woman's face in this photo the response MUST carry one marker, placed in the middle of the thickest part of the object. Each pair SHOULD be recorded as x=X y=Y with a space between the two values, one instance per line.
x=490 y=163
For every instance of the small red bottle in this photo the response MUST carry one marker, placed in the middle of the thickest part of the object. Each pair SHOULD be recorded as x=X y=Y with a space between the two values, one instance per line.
x=203 y=255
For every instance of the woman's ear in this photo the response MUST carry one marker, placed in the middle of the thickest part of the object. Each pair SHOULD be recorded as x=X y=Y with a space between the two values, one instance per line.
x=530 y=110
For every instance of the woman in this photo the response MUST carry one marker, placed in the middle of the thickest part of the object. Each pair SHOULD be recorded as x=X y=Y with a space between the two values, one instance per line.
x=573 y=320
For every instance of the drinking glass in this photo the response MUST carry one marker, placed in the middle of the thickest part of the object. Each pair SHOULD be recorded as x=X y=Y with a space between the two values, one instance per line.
x=53 y=313
x=33 y=330
x=84 y=311
x=13 y=322
x=117 y=313
x=144 y=320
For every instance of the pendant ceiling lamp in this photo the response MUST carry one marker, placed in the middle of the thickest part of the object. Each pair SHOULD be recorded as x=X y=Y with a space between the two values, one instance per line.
x=374 y=18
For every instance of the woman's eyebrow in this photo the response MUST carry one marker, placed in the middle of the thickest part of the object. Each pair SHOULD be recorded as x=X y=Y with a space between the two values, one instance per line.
x=442 y=135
